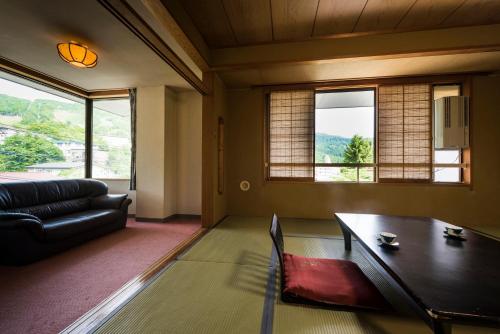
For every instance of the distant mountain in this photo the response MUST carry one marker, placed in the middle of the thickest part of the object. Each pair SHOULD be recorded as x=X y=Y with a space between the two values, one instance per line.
x=332 y=146
x=51 y=115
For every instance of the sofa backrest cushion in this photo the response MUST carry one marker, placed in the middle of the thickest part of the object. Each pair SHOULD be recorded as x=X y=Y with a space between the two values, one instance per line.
x=58 y=196
x=55 y=209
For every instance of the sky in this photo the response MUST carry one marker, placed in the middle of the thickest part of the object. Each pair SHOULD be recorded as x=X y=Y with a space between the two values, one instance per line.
x=14 y=89
x=346 y=122
x=117 y=107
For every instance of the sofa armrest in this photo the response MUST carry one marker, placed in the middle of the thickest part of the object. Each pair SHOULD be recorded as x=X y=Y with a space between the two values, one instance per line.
x=11 y=221
x=108 y=202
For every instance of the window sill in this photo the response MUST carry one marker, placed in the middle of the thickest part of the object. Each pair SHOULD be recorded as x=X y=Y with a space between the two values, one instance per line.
x=404 y=184
x=108 y=179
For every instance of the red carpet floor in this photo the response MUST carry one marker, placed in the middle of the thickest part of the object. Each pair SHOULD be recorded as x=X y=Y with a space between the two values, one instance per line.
x=49 y=295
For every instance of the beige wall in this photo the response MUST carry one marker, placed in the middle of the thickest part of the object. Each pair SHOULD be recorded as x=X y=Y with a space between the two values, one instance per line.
x=189 y=153
x=456 y=204
x=168 y=153
x=150 y=152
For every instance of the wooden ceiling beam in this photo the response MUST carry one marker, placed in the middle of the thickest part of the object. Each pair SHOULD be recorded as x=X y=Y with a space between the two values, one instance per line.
x=132 y=20
x=171 y=15
x=394 y=45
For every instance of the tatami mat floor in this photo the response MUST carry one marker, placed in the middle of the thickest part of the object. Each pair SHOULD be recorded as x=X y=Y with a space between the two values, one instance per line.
x=219 y=286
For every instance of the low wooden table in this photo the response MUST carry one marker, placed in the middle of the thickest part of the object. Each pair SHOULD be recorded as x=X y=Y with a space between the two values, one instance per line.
x=445 y=280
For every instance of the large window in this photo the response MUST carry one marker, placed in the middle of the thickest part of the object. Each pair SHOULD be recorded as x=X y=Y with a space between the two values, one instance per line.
x=111 y=139
x=379 y=134
x=42 y=135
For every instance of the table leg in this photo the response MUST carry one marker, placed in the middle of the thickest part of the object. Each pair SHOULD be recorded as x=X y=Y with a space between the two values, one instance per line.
x=347 y=237
x=442 y=327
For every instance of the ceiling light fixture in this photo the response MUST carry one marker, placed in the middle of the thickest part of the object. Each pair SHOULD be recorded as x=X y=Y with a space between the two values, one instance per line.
x=77 y=54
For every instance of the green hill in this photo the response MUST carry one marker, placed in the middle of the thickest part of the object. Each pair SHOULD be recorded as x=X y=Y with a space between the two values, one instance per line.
x=332 y=146
x=59 y=120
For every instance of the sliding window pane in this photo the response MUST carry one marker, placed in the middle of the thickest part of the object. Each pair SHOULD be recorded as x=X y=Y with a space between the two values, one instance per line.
x=344 y=134
x=111 y=139
x=447 y=174
x=42 y=133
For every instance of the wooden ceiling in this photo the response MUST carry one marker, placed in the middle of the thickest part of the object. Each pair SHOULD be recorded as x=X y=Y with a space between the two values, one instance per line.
x=232 y=23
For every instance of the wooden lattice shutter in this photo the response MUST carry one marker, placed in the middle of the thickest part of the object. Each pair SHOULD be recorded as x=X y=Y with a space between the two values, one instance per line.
x=291 y=135
x=404 y=132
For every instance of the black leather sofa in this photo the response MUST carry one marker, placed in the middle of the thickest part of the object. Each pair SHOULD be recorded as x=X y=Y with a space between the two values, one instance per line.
x=40 y=218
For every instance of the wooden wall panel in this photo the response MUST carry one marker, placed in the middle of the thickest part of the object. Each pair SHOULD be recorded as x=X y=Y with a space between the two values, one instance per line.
x=337 y=16
x=429 y=13
x=250 y=20
x=293 y=19
x=382 y=14
x=475 y=12
x=211 y=21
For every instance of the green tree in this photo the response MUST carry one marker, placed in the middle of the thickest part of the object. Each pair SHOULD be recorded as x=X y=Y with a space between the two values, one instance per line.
x=359 y=150
x=119 y=161
x=20 y=151
x=58 y=130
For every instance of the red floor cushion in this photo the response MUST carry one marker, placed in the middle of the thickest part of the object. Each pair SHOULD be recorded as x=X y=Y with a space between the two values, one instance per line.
x=330 y=281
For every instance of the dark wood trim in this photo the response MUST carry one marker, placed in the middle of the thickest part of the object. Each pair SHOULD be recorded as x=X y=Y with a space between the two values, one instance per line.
x=181 y=216
x=351 y=34
x=107 y=94
x=383 y=55
x=220 y=155
x=150 y=220
x=449 y=78
x=171 y=218
x=88 y=136
x=26 y=72
x=172 y=15
x=134 y=22
x=88 y=322
x=219 y=221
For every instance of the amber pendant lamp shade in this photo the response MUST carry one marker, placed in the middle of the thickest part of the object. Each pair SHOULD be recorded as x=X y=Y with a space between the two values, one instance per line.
x=76 y=54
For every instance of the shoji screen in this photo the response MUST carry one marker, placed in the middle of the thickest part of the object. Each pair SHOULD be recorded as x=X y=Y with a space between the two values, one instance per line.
x=404 y=132
x=291 y=135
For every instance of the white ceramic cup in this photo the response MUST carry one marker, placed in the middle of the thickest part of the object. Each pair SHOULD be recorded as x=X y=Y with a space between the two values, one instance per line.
x=387 y=237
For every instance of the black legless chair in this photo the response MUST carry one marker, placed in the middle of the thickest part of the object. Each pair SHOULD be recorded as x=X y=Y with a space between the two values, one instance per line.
x=323 y=282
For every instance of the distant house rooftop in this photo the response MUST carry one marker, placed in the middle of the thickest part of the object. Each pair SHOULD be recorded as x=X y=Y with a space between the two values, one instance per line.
x=25 y=176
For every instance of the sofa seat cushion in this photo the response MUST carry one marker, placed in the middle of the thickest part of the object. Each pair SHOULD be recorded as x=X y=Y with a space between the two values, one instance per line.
x=67 y=226
x=330 y=281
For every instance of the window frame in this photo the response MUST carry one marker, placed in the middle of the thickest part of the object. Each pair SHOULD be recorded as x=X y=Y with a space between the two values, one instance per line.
x=88 y=102
x=465 y=83
x=92 y=131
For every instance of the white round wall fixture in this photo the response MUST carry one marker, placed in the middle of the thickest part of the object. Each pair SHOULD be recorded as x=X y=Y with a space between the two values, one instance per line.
x=244 y=185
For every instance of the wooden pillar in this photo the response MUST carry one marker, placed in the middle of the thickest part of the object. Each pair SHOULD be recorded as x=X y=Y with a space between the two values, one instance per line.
x=207 y=170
